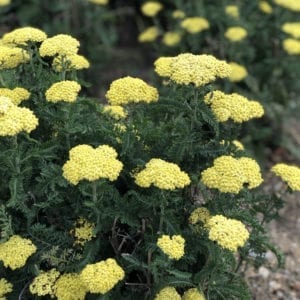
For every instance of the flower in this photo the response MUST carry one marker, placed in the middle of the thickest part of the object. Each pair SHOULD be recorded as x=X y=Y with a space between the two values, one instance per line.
x=100 y=2
x=194 y=25
x=4 y=3
x=44 y=283
x=129 y=89
x=115 y=111
x=235 y=34
x=61 y=44
x=228 y=233
x=91 y=164
x=101 y=277
x=5 y=286
x=66 y=91
x=70 y=62
x=172 y=246
x=83 y=231
x=290 y=174
x=17 y=95
x=168 y=293
x=171 y=38
x=265 y=7
x=192 y=294
x=11 y=57
x=21 y=36
x=69 y=286
x=238 y=145
x=292 y=28
x=151 y=8
x=293 y=5
x=232 y=11
x=15 y=252
x=162 y=174
x=188 y=68
x=178 y=14
x=148 y=35
x=291 y=46
x=200 y=214
x=238 y=73
x=229 y=174
x=233 y=106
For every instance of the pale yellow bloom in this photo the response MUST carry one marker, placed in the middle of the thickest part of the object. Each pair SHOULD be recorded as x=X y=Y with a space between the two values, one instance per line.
x=292 y=28
x=151 y=8
x=236 y=34
x=194 y=24
x=265 y=7
x=291 y=46
x=238 y=73
x=232 y=11
x=148 y=35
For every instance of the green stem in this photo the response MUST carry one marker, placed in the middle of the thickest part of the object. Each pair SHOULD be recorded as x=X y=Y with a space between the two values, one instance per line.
x=94 y=188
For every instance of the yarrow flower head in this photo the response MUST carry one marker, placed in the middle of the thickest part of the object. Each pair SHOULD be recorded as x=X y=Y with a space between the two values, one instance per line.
x=61 y=44
x=171 y=38
x=290 y=174
x=168 y=293
x=178 y=14
x=265 y=7
x=233 y=106
x=192 y=294
x=229 y=174
x=194 y=25
x=100 y=2
x=228 y=233
x=5 y=286
x=16 y=95
x=293 y=5
x=292 y=28
x=22 y=36
x=236 y=34
x=151 y=8
x=188 y=68
x=232 y=11
x=83 y=231
x=11 y=57
x=130 y=90
x=5 y=2
x=66 y=91
x=162 y=174
x=115 y=111
x=70 y=62
x=172 y=246
x=101 y=277
x=238 y=73
x=200 y=214
x=291 y=46
x=91 y=164
x=15 y=252
x=150 y=34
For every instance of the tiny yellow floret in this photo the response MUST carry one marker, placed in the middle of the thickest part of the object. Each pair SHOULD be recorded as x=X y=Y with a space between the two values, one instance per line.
x=5 y=286
x=288 y=173
x=66 y=91
x=83 y=231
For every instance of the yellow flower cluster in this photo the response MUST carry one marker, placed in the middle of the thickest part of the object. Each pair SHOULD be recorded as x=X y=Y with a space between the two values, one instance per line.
x=148 y=35
x=66 y=91
x=232 y=11
x=200 y=214
x=4 y=2
x=168 y=293
x=130 y=90
x=229 y=174
x=116 y=111
x=188 y=68
x=238 y=73
x=151 y=8
x=171 y=38
x=12 y=57
x=91 y=164
x=101 y=277
x=101 y=2
x=236 y=33
x=192 y=294
x=70 y=62
x=291 y=46
x=44 y=283
x=162 y=174
x=83 y=231
x=16 y=251
x=228 y=233
x=172 y=246
x=17 y=95
x=265 y=7
x=5 y=286
x=238 y=145
x=293 y=5
x=61 y=44
x=21 y=36
x=292 y=28
x=14 y=119
x=233 y=106
x=290 y=174
x=194 y=24
x=178 y=14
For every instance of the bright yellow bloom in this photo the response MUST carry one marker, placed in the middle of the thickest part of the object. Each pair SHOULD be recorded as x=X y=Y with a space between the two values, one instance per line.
x=11 y=57
x=291 y=46
x=130 y=90
x=290 y=174
x=171 y=38
x=293 y=5
x=15 y=252
x=83 y=231
x=4 y=2
x=188 y=68
x=292 y=28
x=61 y=44
x=228 y=233
x=229 y=174
x=265 y=7
x=168 y=293
x=232 y=11
x=101 y=277
x=17 y=95
x=44 y=283
x=148 y=35
x=101 y=2
x=238 y=145
x=92 y=164
x=70 y=287
x=162 y=174
x=66 y=91
x=194 y=25
x=200 y=214
x=151 y=8
x=172 y=246
x=233 y=106
x=70 y=62
x=5 y=286
x=115 y=111
x=192 y=294
x=235 y=34
x=238 y=73
x=22 y=36
x=178 y=14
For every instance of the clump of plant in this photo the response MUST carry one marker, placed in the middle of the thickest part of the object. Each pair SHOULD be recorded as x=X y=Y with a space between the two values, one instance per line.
x=148 y=197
